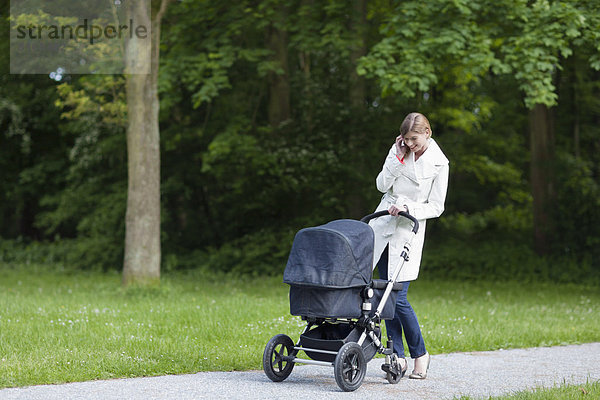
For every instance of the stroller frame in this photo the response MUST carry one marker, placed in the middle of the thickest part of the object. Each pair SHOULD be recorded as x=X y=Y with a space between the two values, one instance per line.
x=348 y=356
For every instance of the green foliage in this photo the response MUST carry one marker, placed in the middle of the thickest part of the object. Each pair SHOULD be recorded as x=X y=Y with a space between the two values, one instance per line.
x=502 y=260
x=265 y=178
x=81 y=254
x=498 y=221
x=524 y=39
x=234 y=188
x=92 y=203
x=545 y=31
x=413 y=51
x=57 y=253
x=31 y=153
x=202 y=48
x=261 y=253
x=578 y=211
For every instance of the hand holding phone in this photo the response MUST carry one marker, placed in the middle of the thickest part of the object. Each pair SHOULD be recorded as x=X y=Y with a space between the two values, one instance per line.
x=401 y=147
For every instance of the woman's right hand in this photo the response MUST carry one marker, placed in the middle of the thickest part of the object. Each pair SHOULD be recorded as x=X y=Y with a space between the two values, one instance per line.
x=401 y=147
x=395 y=211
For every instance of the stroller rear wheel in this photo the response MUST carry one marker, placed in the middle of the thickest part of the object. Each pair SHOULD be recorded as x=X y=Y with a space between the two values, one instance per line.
x=350 y=367
x=275 y=363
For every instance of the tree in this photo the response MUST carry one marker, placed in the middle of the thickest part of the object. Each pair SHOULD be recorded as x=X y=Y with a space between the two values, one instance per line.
x=142 y=222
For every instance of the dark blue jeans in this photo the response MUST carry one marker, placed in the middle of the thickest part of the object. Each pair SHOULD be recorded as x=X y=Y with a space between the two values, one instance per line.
x=405 y=318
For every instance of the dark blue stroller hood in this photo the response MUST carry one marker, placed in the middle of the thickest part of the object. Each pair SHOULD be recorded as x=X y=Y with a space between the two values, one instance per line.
x=338 y=254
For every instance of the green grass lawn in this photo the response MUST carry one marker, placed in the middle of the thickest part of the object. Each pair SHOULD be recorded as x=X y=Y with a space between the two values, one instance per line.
x=566 y=392
x=65 y=326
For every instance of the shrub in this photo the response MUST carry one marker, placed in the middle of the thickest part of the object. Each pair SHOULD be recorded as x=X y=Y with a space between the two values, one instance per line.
x=503 y=260
x=261 y=253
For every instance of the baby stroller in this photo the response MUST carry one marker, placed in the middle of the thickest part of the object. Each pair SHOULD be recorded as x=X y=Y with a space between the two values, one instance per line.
x=329 y=271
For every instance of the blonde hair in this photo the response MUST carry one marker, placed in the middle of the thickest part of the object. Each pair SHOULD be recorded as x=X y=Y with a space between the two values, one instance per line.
x=415 y=122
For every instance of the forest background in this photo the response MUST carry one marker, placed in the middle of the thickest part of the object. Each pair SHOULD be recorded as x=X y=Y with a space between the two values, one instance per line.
x=277 y=115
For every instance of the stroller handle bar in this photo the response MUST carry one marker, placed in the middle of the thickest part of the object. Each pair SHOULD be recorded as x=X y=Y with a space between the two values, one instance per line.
x=415 y=222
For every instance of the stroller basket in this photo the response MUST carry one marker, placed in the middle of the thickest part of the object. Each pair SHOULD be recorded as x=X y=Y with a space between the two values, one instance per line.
x=329 y=337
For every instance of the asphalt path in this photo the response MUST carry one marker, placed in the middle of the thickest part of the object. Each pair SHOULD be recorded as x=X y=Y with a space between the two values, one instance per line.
x=476 y=374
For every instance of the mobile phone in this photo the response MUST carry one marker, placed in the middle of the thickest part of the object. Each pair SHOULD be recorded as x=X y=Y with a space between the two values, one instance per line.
x=402 y=144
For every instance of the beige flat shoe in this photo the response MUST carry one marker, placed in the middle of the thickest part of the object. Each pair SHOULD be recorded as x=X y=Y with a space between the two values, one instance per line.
x=421 y=375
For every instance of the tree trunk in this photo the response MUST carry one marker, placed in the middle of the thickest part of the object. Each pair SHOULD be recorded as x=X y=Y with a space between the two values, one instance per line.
x=575 y=87
x=142 y=221
x=357 y=83
x=304 y=61
x=357 y=140
x=542 y=140
x=279 y=86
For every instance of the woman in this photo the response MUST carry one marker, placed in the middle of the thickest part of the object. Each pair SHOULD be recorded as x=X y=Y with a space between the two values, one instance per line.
x=414 y=179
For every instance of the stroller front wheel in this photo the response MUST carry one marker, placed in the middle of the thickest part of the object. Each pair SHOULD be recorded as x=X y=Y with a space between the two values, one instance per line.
x=350 y=367
x=393 y=370
x=276 y=363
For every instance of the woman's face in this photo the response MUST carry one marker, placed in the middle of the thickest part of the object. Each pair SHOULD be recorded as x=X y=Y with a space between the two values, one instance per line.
x=416 y=142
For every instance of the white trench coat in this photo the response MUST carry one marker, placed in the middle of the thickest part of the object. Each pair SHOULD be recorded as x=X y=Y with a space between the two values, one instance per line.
x=421 y=186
